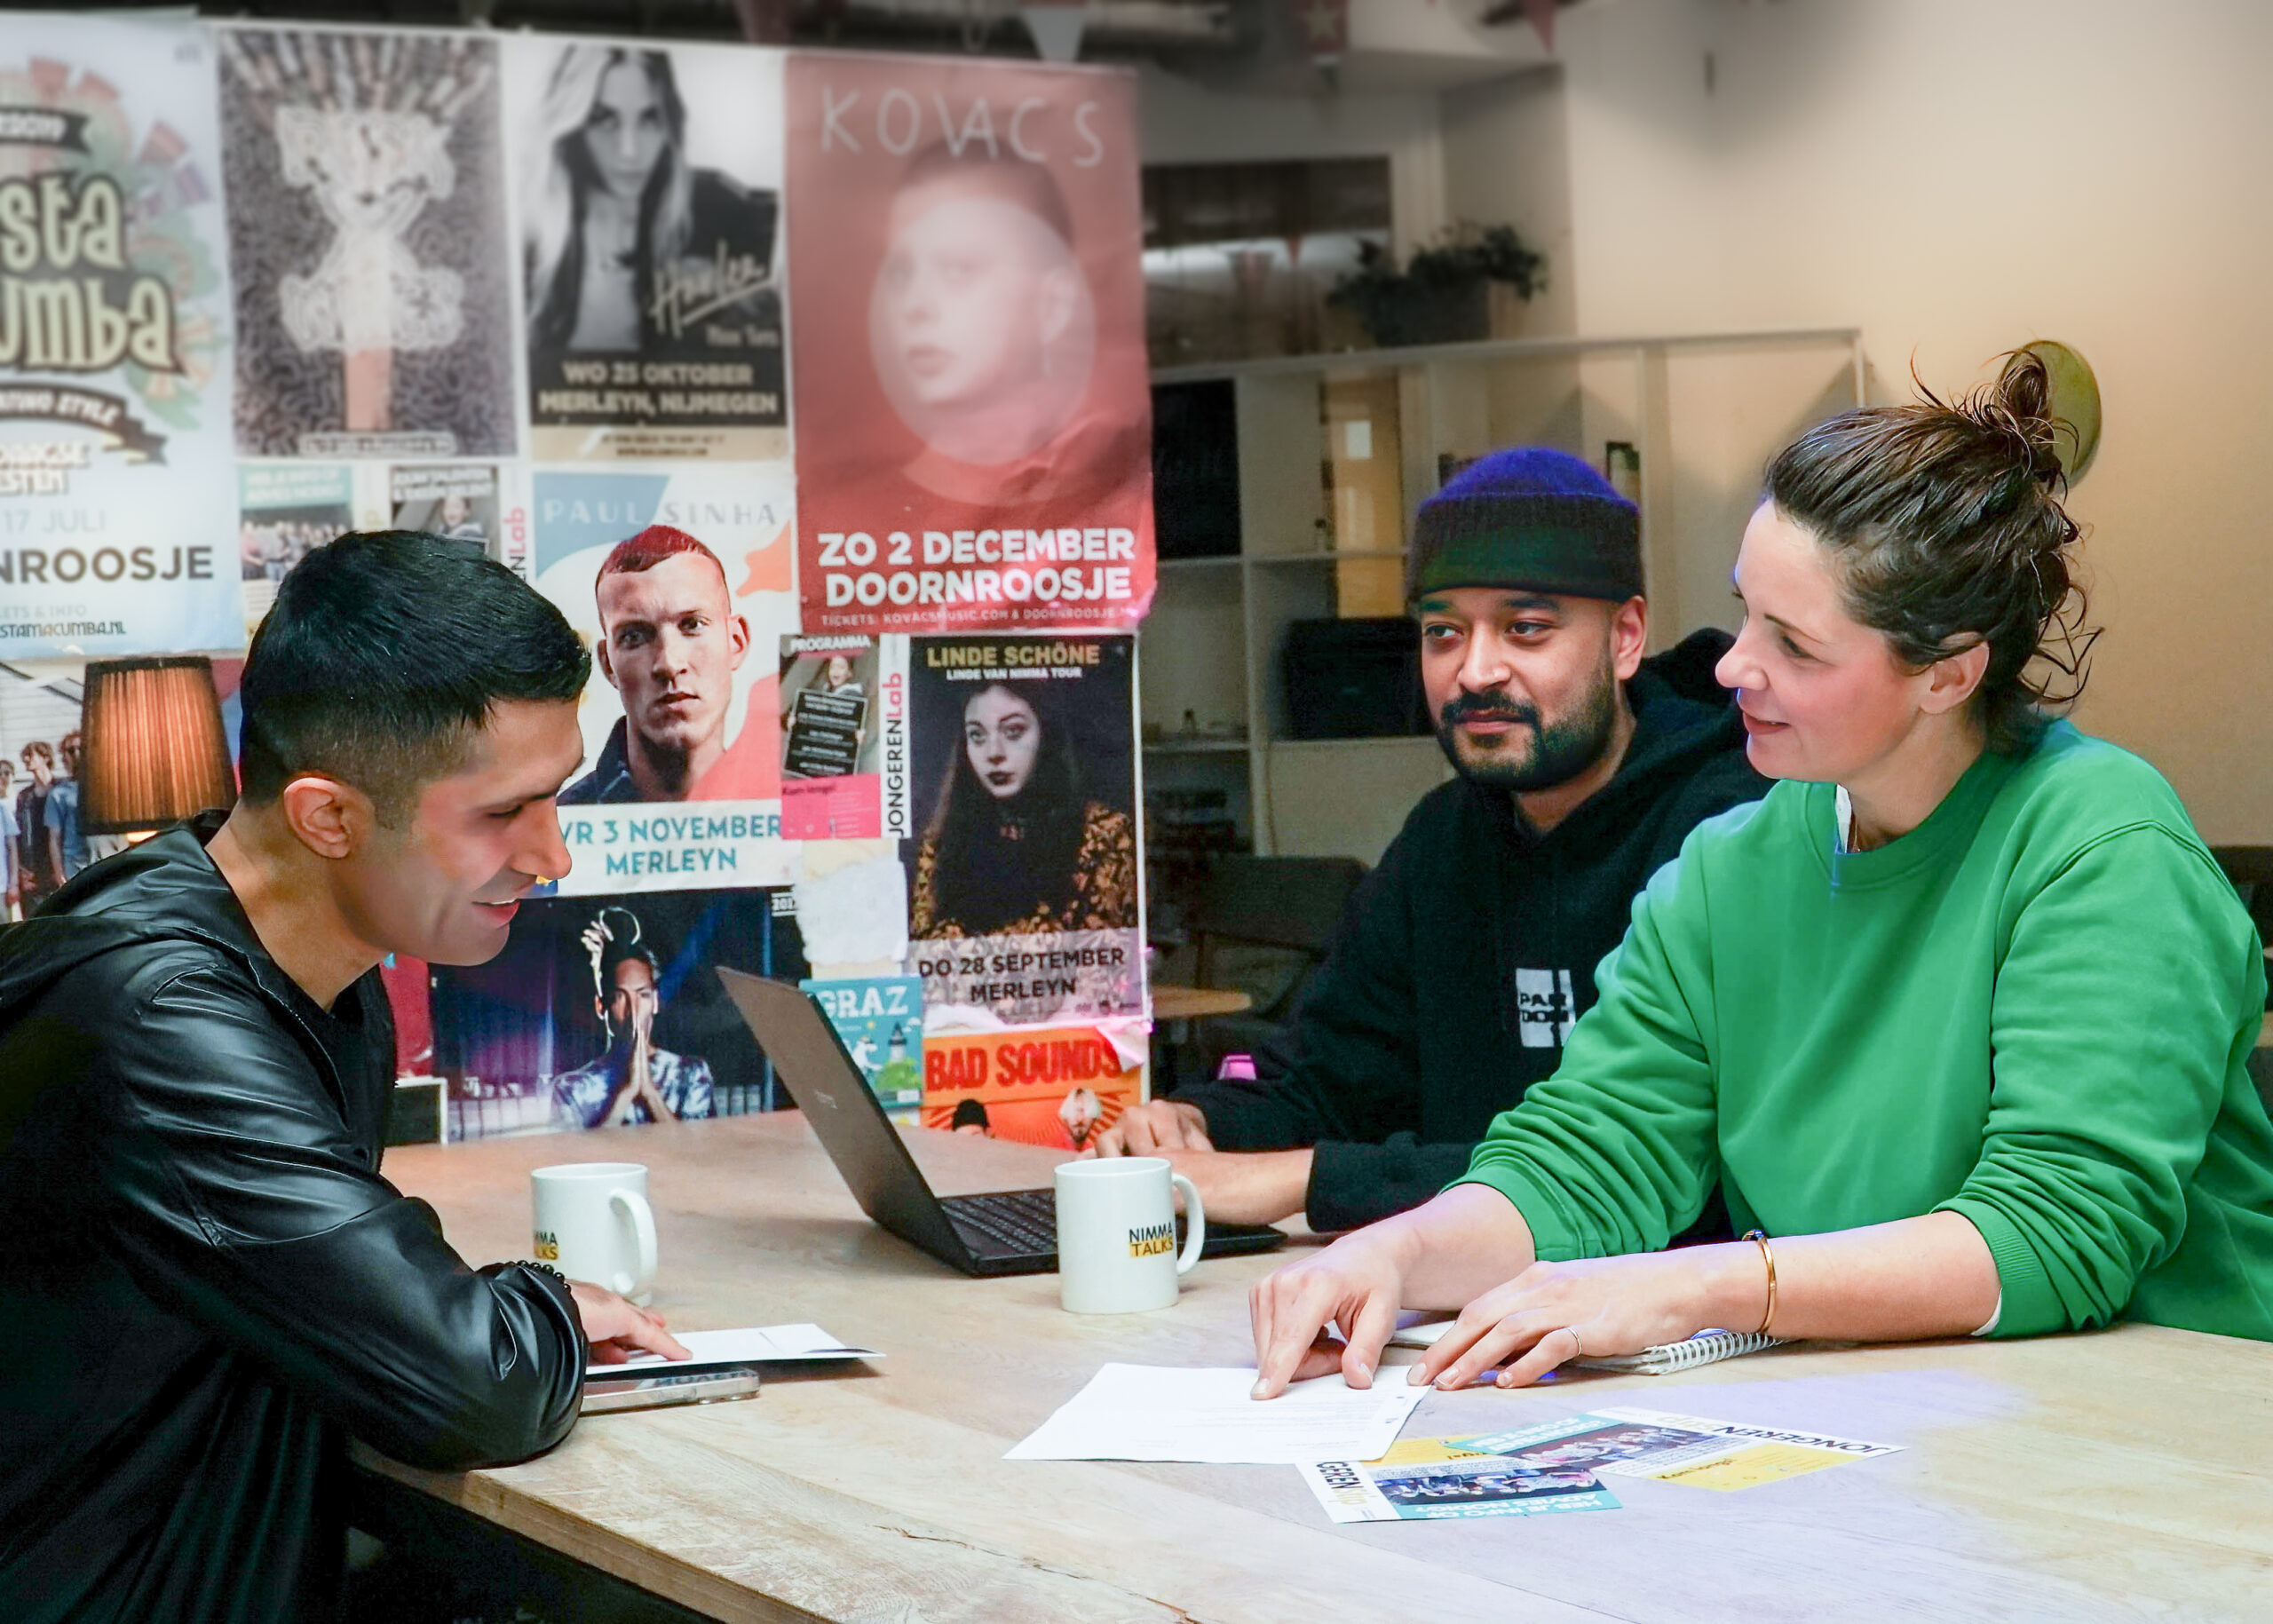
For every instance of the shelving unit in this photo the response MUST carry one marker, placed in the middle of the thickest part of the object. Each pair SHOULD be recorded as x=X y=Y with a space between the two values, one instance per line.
x=1344 y=448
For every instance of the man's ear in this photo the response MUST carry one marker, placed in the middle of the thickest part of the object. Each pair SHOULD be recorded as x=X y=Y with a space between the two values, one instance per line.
x=738 y=638
x=1952 y=680
x=1629 y=634
x=331 y=819
x=607 y=667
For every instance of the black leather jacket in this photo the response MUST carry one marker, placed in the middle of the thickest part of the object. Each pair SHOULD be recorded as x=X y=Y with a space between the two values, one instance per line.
x=207 y=1287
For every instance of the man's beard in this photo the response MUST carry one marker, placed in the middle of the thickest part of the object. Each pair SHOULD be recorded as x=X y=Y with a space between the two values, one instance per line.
x=1560 y=750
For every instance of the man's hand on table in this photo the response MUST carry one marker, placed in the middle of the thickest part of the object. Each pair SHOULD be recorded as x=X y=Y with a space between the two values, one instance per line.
x=1155 y=1129
x=618 y=1328
x=1237 y=1186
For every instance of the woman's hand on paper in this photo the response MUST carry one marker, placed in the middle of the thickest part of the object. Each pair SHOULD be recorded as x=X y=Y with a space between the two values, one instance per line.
x=1356 y=1286
x=618 y=1328
x=1555 y=1311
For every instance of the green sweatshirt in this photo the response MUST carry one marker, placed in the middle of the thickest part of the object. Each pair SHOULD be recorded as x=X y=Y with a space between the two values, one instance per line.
x=2035 y=1008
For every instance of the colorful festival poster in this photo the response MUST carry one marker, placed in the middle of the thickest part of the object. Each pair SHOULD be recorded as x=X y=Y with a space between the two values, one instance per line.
x=650 y=202
x=973 y=408
x=880 y=1021
x=832 y=741
x=681 y=583
x=366 y=192
x=1025 y=876
x=1058 y=1085
x=114 y=359
x=606 y=1011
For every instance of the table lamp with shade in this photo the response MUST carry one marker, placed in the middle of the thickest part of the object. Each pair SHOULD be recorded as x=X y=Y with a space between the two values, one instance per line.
x=155 y=749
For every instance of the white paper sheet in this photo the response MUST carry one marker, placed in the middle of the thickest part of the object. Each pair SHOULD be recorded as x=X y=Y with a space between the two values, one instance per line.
x=1145 y=1413
x=764 y=1344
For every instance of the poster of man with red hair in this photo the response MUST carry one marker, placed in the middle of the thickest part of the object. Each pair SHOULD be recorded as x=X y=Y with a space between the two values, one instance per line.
x=974 y=423
x=681 y=583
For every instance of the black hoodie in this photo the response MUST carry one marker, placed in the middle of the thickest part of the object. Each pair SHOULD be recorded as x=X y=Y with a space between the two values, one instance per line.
x=206 y=1282
x=1467 y=955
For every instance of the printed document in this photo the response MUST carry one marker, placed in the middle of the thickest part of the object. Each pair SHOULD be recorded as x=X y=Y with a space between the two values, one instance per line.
x=1146 y=1413
x=764 y=1344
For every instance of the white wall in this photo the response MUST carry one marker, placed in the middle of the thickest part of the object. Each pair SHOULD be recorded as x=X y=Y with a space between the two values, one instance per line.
x=1958 y=178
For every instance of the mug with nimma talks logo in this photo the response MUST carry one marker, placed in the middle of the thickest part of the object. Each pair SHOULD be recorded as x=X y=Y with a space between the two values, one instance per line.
x=1116 y=1234
x=593 y=1223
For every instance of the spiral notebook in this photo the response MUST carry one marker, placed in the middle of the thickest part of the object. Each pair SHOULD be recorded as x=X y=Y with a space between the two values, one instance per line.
x=1705 y=1348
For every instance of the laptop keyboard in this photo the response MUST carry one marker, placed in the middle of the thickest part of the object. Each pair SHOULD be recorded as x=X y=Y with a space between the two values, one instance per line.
x=1023 y=1220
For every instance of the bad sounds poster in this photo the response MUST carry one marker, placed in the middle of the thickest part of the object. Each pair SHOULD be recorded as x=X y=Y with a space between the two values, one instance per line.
x=1024 y=877
x=680 y=583
x=973 y=413
x=366 y=197
x=605 y=1011
x=650 y=191
x=115 y=385
x=1059 y=1087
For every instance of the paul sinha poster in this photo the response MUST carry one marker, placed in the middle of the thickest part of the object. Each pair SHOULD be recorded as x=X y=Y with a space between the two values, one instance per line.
x=116 y=490
x=649 y=191
x=606 y=1011
x=973 y=415
x=1025 y=895
x=367 y=197
x=681 y=583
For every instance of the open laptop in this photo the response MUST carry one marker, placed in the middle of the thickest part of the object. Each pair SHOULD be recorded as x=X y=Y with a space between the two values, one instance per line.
x=1007 y=1231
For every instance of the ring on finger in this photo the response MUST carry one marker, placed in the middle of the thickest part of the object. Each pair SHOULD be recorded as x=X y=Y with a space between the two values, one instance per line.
x=1577 y=1342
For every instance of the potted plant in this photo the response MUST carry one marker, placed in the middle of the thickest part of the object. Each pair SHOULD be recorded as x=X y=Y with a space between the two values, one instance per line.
x=1441 y=297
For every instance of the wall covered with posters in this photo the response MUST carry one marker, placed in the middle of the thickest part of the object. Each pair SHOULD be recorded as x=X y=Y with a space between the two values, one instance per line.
x=811 y=386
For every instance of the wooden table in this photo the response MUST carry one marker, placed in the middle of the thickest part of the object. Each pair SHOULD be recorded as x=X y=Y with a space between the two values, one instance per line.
x=1197 y=1002
x=2122 y=1475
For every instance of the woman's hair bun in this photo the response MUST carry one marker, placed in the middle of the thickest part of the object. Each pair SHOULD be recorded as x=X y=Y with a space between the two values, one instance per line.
x=2019 y=406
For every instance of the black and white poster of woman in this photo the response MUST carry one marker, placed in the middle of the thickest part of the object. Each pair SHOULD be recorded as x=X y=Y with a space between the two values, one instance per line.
x=649 y=192
x=366 y=201
x=1025 y=875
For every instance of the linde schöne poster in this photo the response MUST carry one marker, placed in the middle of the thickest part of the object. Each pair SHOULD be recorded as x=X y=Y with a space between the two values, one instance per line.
x=973 y=422
x=117 y=494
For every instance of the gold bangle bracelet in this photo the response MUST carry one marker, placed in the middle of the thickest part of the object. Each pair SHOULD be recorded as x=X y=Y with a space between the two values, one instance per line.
x=1768 y=1256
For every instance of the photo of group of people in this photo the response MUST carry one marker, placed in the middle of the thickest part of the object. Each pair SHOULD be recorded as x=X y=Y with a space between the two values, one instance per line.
x=606 y=1011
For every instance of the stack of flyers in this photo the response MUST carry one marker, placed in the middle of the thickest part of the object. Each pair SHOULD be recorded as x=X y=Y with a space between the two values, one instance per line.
x=1687 y=1449
x=1423 y=1478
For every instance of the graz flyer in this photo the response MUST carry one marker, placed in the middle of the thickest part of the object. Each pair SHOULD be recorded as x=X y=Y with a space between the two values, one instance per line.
x=1685 y=1449
x=974 y=421
x=117 y=493
x=1429 y=1480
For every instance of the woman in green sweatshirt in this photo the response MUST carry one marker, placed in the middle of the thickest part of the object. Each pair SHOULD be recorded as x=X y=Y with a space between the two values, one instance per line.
x=1958 y=1016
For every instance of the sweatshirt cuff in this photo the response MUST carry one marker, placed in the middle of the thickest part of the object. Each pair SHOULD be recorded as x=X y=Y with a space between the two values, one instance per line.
x=1554 y=1236
x=2027 y=1305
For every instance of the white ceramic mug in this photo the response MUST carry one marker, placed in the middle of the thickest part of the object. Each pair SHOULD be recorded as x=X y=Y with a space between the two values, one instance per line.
x=1116 y=1234
x=593 y=1224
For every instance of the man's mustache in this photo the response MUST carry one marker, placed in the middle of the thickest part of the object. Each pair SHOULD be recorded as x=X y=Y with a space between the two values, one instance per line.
x=1486 y=708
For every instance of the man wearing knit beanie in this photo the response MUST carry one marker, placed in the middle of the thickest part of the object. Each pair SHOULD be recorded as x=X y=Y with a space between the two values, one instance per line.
x=1468 y=953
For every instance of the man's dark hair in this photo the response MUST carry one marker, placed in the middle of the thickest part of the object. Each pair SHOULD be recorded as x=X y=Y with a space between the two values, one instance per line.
x=384 y=654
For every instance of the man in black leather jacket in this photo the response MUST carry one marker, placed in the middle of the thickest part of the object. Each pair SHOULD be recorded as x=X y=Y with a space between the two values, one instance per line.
x=208 y=1284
